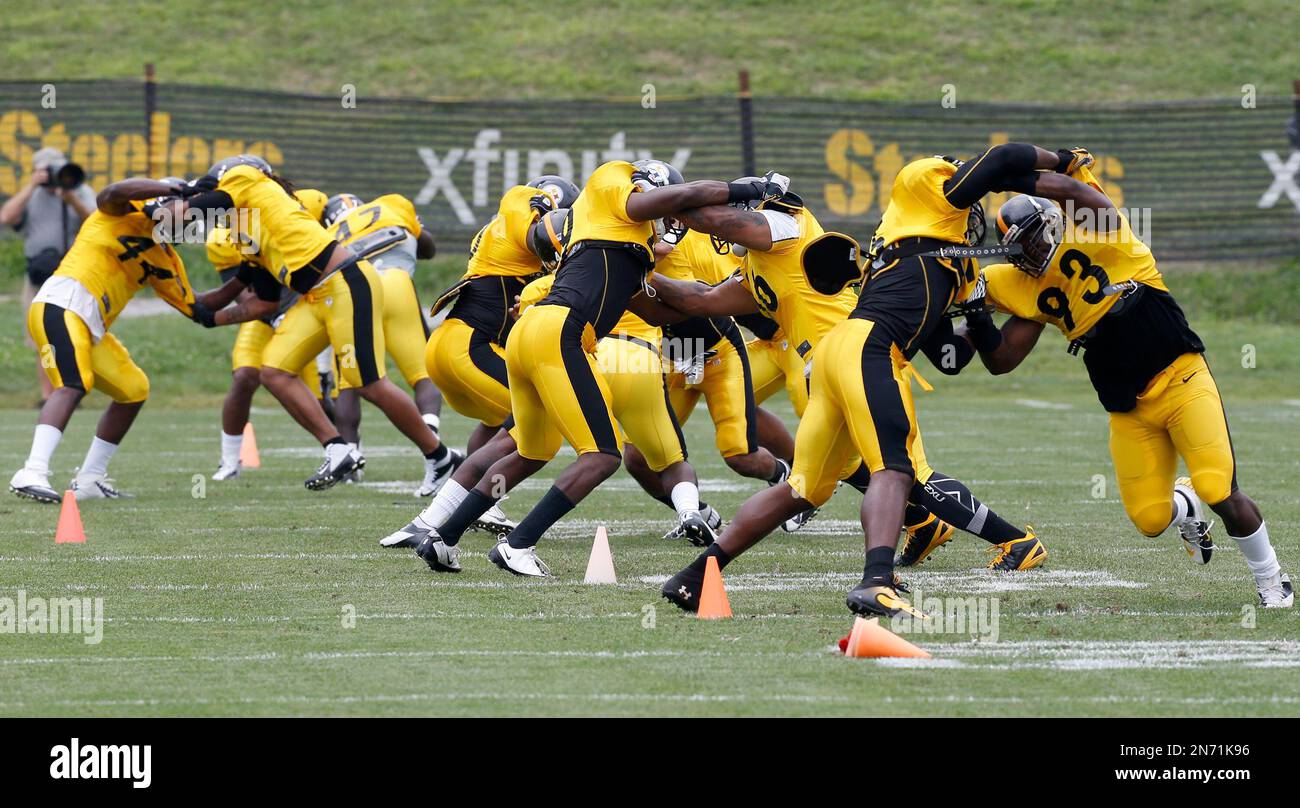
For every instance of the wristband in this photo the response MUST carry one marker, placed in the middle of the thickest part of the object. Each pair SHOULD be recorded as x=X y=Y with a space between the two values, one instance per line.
x=742 y=192
x=983 y=332
x=1067 y=158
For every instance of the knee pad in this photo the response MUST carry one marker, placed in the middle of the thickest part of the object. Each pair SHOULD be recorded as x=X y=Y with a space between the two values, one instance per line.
x=1152 y=519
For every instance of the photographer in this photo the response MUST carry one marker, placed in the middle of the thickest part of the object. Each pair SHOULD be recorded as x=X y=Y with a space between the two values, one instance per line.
x=48 y=210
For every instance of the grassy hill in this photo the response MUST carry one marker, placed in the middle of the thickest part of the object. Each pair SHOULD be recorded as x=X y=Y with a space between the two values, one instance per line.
x=1009 y=51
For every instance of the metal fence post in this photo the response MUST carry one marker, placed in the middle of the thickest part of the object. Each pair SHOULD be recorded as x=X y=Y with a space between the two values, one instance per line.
x=150 y=104
x=746 y=124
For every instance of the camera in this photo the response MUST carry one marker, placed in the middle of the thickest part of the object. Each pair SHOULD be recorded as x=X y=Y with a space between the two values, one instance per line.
x=66 y=175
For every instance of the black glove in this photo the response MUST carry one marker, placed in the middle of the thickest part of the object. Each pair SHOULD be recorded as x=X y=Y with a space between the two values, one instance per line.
x=771 y=186
x=203 y=315
x=542 y=203
x=195 y=187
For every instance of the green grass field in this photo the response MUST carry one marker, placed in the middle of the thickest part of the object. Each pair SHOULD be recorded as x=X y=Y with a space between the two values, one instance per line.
x=236 y=603
x=1010 y=50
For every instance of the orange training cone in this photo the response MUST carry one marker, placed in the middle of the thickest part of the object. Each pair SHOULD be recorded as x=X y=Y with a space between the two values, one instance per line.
x=713 y=600
x=600 y=566
x=69 y=530
x=870 y=639
x=248 y=456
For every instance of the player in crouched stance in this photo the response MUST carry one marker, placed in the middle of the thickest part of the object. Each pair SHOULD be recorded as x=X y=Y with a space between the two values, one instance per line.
x=1091 y=276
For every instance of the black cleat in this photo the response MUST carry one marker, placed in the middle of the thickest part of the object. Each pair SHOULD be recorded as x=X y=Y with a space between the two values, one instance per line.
x=336 y=466
x=922 y=540
x=440 y=556
x=879 y=601
x=683 y=589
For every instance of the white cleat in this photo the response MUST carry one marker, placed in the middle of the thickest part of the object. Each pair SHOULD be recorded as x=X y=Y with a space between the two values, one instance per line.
x=84 y=488
x=437 y=474
x=409 y=536
x=693 y=527
x=227 y=471
x=1276 y=592
x=794 y=523
x=33 y=485
x=340 y=461
x=522 y=562
x=1195 y=529
x=494 y=521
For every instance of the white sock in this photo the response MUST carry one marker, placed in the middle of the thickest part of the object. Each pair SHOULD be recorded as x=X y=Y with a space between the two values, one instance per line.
x=44 y=441
x=432 y=420
x=96 y=463
x=444 y=504
x=686 y=498
x=230 y=448
x=1182 y=508
x=1259 y=553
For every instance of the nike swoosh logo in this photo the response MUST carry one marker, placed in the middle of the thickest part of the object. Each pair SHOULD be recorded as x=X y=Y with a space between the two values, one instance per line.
x=1189 y=376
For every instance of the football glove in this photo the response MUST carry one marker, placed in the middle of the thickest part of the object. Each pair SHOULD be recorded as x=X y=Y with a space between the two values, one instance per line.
x=203 y=315
x=1074 y=159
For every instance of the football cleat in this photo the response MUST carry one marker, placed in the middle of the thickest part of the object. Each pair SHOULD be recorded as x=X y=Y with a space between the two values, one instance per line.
x=1276 y=592
x=409 y=536
x=880 y=601
x=1195 y=529
x=683 y=589
x=436 y=474
x=438 y=554
x=922 y=540
x=494 y=521
x=33 y=485
x=519 y=561
x=227 y=471
x=340 y=461
x=696 y=530
x=783 y=473
x=84 y=488
x=1019 y=554
x=794 y=523
x=712 y=519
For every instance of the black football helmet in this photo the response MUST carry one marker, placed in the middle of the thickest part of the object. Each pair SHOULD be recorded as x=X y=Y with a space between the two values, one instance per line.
x=546 y=238
x=226 y=163
x=650 y=174
x=337 y=206
x=563 y=192
x=1037 y=225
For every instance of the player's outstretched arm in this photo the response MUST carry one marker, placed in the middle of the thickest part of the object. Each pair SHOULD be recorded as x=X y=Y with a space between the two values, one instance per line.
x=1007 y=167
x=1019 y=336
x=1084 y=202
x=115 y=199
x=737 y=225
x=670 y=200
x=696 y=299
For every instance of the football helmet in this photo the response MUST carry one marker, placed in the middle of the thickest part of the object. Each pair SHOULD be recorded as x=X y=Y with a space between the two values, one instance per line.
x=563 y=192
x=650 y=174
x=223 y=165
x=337 y=206
x=546 y=238
x=1037 y=225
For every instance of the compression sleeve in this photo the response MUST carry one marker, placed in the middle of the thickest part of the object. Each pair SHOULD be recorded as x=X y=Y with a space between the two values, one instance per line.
x=1007 y=167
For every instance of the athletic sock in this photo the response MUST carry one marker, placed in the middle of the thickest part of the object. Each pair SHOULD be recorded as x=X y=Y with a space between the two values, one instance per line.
x=1183 y=508
x=860 y=478
x=550 y=509
x=879 y=569
x=952 y=501
x=96 y=463
x=449 y=498
x=231 y=445
x=686 y=498
x=714 y=551
x=439 y=455
x=474 y=505
x=433 y=421
x=333 y=441
x=1259 y=553
x=44 y=441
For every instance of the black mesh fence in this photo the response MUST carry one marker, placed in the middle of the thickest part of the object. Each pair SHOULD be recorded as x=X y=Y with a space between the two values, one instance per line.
x=1202 y=180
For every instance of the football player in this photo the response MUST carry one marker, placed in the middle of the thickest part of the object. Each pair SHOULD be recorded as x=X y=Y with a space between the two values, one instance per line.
x=405 y=330
x=226 y=256
x=799 y=276
x=1089 y=275
x=114 y=256
x=708 y=360
x=556 y=390
x=465 y=356
x=340 y=290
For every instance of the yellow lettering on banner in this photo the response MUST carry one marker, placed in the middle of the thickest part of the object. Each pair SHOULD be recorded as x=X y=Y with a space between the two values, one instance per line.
x=841 y=148
x=108 y=159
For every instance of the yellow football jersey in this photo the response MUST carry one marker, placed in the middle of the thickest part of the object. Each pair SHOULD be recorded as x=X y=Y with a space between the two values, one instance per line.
x=535 y=291
x=223 y=250
x=1070 y=294
x=694 y=258
x=501 y=247
x=115 y=256
x=918 y=206
x=776 y=280
x=273 y=223
x=389 y=210
x=600 y=213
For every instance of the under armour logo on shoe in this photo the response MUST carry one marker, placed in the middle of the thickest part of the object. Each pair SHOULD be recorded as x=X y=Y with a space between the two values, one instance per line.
x=684 y=592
